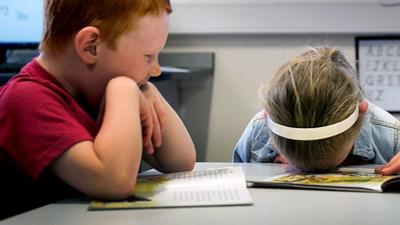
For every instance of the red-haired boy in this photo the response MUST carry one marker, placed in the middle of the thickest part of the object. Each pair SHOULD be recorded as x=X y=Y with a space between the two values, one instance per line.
x=77 y=118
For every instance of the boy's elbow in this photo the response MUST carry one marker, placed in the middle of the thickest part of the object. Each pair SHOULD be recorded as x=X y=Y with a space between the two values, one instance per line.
x=114 y=188
x=123 y=186
x=186 y=162
x=118 y=190
x=126 y=189
x=191 y=162
x=180 y=165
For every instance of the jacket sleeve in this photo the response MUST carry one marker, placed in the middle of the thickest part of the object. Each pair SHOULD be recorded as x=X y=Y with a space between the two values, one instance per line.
x=241 y=153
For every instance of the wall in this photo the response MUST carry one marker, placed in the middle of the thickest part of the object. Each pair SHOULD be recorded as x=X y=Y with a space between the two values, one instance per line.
x=242 y=63
x=285 y=16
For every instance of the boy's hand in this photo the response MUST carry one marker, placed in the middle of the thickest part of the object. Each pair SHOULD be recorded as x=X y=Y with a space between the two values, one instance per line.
x=146 y=120
x=157 y=109
x=392 y=167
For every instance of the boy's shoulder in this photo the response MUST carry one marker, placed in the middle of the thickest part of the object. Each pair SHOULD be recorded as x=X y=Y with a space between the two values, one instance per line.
x=31 y=80
x=23 y=86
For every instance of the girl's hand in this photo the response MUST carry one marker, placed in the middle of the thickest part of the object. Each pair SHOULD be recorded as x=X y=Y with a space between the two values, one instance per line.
x=280 y=159
x=392 y=167
x=157 y=109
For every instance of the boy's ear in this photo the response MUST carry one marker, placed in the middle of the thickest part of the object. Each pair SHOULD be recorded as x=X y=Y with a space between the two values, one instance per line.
x=86 y=44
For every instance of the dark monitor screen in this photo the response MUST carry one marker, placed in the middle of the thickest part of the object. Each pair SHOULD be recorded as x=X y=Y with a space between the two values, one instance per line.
x=21 y=23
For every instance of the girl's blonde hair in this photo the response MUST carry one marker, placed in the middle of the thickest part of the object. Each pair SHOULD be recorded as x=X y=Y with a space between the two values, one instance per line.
x=314 y=89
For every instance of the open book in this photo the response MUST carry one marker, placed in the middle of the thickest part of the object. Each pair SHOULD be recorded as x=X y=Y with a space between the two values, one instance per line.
x=220 y=186
x=344 y=179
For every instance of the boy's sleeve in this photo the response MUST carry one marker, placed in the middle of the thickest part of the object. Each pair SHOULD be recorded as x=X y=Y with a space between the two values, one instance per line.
x=37 y=127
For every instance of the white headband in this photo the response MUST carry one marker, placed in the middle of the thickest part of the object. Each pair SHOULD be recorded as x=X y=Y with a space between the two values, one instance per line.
x=314 y=133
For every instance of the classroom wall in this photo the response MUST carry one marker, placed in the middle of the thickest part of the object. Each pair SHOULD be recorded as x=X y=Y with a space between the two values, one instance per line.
x=242 y=63
x=285 y=16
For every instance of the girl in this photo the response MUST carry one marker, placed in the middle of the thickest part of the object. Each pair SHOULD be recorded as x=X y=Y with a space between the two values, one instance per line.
x=315 y=117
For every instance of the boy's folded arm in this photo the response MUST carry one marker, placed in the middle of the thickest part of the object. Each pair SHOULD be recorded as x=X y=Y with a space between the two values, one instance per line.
x=107 y=168
x=81 y=168
x=177 y=152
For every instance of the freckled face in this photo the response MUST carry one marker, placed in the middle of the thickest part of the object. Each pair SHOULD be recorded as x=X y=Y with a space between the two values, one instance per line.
x=136 y=54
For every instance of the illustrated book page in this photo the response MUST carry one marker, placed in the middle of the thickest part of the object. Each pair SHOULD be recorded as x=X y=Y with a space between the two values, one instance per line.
x=344 y=179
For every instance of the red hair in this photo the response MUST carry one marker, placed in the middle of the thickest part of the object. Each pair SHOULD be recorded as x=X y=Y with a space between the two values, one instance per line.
x=64 y=18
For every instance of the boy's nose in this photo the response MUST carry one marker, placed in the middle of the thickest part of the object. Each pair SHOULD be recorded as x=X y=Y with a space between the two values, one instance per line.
x=155 y=70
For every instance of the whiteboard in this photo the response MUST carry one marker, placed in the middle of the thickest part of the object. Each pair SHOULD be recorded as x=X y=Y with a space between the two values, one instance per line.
x=379 y=70
x=285 y=16
x=21 y=21
x=267 y=1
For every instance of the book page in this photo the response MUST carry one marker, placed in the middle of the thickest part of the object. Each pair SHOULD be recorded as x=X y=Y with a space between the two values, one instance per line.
x=222 y=186
x=344 y=179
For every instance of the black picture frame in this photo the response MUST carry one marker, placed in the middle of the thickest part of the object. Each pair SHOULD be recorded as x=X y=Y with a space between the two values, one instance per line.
x=378 y=69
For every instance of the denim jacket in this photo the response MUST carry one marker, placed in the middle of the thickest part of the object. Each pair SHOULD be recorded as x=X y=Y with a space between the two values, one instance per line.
x=377 y=143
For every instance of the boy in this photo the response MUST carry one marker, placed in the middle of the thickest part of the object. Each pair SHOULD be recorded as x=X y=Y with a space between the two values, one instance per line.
x=75 y=120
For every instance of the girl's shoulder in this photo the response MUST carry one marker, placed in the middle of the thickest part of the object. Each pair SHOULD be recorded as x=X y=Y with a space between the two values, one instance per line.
x=380 y=117
x=260 y=116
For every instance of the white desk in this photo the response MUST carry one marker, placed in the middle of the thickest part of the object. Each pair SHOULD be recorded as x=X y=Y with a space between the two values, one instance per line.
x=271 y=206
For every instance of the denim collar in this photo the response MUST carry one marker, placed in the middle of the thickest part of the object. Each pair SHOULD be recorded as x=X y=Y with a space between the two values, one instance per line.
x=363 y=146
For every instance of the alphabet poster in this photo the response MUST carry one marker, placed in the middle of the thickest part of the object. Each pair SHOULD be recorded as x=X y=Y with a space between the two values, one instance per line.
x=379 y=70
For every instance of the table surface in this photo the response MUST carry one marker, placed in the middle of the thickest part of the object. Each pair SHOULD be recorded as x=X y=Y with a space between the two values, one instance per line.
x=271 y=206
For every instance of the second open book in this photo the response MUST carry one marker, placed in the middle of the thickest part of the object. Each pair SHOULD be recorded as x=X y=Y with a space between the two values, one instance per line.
x=344 y=179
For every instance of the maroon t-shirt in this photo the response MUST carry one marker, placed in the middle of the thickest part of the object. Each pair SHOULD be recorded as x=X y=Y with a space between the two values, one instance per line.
x=39 y=121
